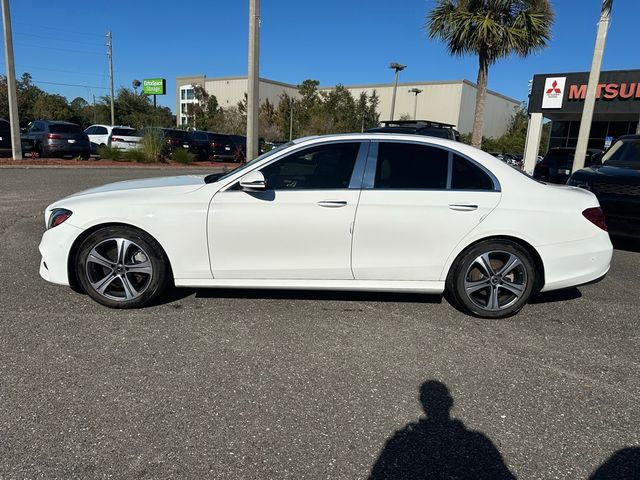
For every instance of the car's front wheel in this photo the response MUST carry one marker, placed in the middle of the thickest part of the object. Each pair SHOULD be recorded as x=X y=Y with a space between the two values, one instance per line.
x=122 y=267
x=492 y=279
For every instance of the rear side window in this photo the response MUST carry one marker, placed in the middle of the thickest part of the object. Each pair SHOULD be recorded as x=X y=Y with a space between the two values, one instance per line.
x=468 y=176
x=411 y=166
x=64 y=128
x=99 y=131
x=125 y=132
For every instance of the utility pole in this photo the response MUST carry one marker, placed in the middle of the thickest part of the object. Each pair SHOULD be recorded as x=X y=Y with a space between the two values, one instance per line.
x=14 y=120
x=110 y=55
x=253 y=79
x=416 y=92
x=594 y=78
x=398 y=68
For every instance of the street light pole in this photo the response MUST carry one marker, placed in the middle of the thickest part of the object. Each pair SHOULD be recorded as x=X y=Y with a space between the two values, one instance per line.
x=416 y=92
x=253 y=80
x=397 y=68
x=12 y=93
x=291 y=120
x=110 y=55
x=594 y=78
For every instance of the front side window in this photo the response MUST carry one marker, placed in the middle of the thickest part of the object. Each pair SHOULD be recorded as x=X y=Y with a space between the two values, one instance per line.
x=321 y=167
x=410 y=166
x=99 y=130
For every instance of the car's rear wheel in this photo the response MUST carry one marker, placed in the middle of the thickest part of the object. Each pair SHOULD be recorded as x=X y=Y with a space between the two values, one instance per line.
x=39 y=150
x=122 y=267
x=492 y=279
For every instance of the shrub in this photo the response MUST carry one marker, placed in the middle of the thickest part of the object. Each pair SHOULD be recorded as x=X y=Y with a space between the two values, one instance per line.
x=152 y=145
x=136 y=156
x=182 y=156
x=110 y=153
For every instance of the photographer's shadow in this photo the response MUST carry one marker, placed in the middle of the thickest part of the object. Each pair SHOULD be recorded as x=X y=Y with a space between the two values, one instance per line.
x=439 y=447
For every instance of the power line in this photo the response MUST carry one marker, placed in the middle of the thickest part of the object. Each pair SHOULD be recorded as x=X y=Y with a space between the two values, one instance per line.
x=60 y=49
x=75 y=72
x=57 y=39
x=69 y=84
x=47 y=27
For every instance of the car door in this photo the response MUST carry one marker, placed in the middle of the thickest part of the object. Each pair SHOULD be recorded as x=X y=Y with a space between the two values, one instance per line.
x=300 y=227
x=418 y=202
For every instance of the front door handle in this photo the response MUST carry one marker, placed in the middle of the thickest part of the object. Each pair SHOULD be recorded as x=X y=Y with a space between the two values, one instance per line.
x=463 y=207
x=332 y=203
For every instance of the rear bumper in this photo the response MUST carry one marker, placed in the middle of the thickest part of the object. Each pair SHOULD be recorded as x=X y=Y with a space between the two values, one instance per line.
x=576 y=263
x=54 y=248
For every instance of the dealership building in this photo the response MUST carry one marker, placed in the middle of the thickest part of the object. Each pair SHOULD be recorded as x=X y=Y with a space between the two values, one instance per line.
x=559 y=97
x=451 y=102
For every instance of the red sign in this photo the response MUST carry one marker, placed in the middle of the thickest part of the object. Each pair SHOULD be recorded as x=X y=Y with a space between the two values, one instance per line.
x=607 y=91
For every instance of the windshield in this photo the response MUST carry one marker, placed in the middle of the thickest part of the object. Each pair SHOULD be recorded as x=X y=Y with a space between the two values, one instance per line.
x=623 y=153
x=214 y=177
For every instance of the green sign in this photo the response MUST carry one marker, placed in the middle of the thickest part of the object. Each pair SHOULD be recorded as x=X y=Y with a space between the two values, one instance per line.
x=154 y=86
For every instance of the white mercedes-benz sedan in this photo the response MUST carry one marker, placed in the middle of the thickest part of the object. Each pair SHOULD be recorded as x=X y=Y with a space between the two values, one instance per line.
x=378 y=212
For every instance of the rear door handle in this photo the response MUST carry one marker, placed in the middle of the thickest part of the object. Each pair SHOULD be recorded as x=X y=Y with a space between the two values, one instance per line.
x=332 y=203
x=463 y=207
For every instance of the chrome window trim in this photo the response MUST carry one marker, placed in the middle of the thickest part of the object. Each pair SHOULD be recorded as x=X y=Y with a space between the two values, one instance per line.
x=361 y=162
x=369 y=178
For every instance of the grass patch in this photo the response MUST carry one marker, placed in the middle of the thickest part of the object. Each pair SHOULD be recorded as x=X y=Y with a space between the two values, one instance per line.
x=137 y=156
x=182 y=156
x=152 y=145
x=109 y=153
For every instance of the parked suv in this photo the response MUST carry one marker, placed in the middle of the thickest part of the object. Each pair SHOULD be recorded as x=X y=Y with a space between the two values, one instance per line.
x=615 y=179
x=117 y=136
x=419 y=127
x=48 y=138
x=557 y=164
x=216 y=146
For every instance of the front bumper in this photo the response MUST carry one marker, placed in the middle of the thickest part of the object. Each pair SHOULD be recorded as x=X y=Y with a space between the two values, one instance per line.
x=570 y=264
x=55 y=247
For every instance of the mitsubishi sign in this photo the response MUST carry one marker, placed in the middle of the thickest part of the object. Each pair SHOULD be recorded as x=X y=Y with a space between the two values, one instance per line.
x=618 y=92
x=553 y=92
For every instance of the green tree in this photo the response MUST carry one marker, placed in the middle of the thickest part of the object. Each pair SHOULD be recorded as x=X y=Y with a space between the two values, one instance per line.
x=492 y=30
x=52 y=107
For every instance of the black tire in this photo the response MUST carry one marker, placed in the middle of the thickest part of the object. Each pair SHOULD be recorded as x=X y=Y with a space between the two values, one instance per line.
x=137 y=278
x=499 y=291
x=85 y=155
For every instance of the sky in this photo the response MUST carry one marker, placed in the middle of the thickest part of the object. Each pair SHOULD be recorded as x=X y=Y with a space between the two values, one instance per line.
x=333 y=41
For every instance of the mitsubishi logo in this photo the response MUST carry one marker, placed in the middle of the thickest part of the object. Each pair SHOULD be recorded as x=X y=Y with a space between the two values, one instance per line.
x=554 y=88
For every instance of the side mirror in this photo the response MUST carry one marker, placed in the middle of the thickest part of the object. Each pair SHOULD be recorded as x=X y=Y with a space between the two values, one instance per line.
x=595 y=160
x=253 y=182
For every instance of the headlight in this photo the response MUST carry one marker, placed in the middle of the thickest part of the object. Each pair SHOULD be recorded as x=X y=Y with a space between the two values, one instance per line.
x=58 y=216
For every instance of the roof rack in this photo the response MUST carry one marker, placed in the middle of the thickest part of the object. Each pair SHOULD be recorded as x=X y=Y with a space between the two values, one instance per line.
x=429 y=123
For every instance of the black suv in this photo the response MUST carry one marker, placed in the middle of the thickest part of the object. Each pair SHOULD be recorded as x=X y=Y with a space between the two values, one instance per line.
x=5 y=135
x=616 y=182
x=47 y=138
x=557 y=164
x=419 y=127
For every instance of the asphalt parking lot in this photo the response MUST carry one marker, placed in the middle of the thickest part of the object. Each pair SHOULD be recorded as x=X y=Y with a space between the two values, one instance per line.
x=254 y=384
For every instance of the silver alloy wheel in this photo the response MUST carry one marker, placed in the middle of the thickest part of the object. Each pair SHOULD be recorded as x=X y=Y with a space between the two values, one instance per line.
x=119 y=269
x=495 y=280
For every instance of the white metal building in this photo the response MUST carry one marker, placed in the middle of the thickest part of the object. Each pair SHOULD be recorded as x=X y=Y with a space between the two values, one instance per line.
x=450 y=102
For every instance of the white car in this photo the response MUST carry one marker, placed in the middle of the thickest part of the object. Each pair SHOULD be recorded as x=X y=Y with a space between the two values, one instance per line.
x=378 y=212
x=116 y=136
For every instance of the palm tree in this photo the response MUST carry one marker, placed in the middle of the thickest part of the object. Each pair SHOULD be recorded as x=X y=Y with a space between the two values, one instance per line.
x=490 y=29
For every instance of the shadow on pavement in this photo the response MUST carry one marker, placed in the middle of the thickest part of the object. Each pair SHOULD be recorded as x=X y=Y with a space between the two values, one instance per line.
x=556 y=296
x=349 y=296
x=439 y=447
x=623 y=465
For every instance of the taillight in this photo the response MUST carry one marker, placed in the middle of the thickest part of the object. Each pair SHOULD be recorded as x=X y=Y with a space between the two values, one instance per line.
x=216 y=145
x=117 y=139
x=54 y=136
x=58 y=216
x=595 y=216
x=172 y=141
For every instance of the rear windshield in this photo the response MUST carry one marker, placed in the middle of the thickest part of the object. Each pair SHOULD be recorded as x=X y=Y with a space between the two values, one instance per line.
x=125 y=132
x=624 y=153
x=220 y=138
x=64 y=128
x=179 y=134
